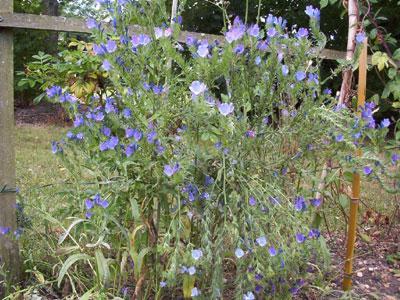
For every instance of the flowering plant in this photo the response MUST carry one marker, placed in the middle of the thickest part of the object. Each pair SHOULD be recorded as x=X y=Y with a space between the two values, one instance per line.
x=206 y=160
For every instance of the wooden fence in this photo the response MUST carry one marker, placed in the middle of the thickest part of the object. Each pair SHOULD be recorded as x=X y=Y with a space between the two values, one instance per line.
x=9 y=253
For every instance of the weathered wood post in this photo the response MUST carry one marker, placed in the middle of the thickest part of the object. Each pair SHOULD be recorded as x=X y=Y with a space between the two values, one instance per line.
x=9 y=253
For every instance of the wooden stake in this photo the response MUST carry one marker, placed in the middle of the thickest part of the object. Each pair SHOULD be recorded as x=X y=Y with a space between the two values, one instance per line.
x=356 y=186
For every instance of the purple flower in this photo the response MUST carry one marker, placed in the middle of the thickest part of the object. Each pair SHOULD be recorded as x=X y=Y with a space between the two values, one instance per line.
x=70 y=135
x=197 y=88
x=170 y=170
x=111 y=46
x=285 y=70
x=300 y=75
x=239 y=49
x=236 y=32
x=360 y=37
x=106 y=131
x=314 y=233
x=129 y=132
x=208 y=180
x=316 y=202
x=253 y=30
x=110 y=144
x=385 y=123
x=249 y=296
x=300 y=204
x=130 y=149
x=100 y=202
x=79 y=121
x=271 y=32
x=91 y=23
x=89 y=204
x=137 y=135
x=158 y=32
x=261 y=241
x=272 y=251
x=106 y=65
x=395 y=157
x=252 y=201
x=99 y=49
x=54 y=91
x=202 y=50
x=158 y=89
x=163 y=284
x=4 y=230
x=339 y=138
x=262 y=46
x=195 y=292
x=367 y=170
x=302 y=33
x=239 y=253
x=226 y=108
x=151 y=137
x=80 y=136
x=197 y=254
x=127 y=113
x=257 y=61
x=190 y=41
x=312 y=12
x=300 y=238
x=191 y=270
x=98 y=117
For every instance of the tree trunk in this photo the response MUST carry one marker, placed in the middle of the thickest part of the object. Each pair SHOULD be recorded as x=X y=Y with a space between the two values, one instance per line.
x=352 y=8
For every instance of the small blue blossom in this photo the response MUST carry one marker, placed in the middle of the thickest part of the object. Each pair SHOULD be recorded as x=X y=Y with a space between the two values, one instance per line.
x=91 y=23
x=257 y=61
x=195 y=292
x=170 y=170
x=272 y=251
x=106 y=131
x=130 y=149
x=236 y=32
x=106 y=65
x=239 y=49
x=54 y=91
x=254 y=30
x=110 y=144
x=4 y=230
x=226 y=108
x=99 y=50
x=312 y=12
x=111 y=46
x=316 y=202
x=239 y=253
x=360 y=37
x=197 y=88
x=127 y=113
x=191 y=270
x=271 y=32
x=367 y=170
x=302 y=33
x=202 y=50
x=208 y=180
x=339 y=138
x=300 y=238
x=151 y=137
x=300 y=204
x=197 y=254
x=300 y=75
x=163 y=284
x=385 y=123
x=249 y=296
x=261 y=241
x=89 y=204
x=252 y=201
x=285 y=70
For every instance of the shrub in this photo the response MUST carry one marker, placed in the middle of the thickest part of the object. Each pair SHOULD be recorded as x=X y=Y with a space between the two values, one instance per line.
x=198 y=176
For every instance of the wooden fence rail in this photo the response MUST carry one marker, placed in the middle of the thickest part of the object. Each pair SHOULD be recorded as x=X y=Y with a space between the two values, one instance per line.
x=9 y=253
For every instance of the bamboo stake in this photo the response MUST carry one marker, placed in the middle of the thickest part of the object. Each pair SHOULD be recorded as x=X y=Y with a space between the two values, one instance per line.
x=356 y=185
x=352 y=8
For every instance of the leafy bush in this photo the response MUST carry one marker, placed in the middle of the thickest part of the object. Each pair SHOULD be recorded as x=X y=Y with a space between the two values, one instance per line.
x=197 y=177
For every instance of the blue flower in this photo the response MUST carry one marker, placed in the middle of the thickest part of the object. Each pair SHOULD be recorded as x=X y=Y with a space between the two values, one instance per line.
x=111 y=46
x=80 y=136
x=226 y=108
x=151 y=137
x=327 y=91
x=191 y=270
x=239 y=253
x=395 y=157
x=197 y=254
x=55 y=147
x=195 y=292
x=261 y=241
x=197 y=88
x=110 y=144
x=300 y=204
x=236 y=32
x=100 y=202
x=385 y=123
x=106 y=131
x=252 y=201
x=253 y=30
x=54 y=91
x=127 y=113
x=300 y=238
x=257 y=61
x=271 y=32
x=106 y=65
x=89 y=204
x=202 y=50
x=314 y=233
x=130 y=149
x=285 y=70
x=300 y=75
x=239 y=49
x=99 y=49
x=360 y=37
x=367 y=170
x=316 y=202
x=4 y=230
x=249 y=296
x=208 y=180
x=91 y=23
x=339 y=138
x=163 y=284
x=170 y=170
x=302 y=33
x=129 y=132
x=158 y=89
x=272 y=251
x=312 y=12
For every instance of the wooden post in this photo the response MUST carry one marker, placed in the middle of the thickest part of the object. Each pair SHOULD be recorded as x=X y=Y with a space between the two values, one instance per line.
x=356 y=186
x=9 y=253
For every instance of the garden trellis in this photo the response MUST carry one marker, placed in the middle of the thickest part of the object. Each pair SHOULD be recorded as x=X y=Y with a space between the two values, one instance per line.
x=8 y=21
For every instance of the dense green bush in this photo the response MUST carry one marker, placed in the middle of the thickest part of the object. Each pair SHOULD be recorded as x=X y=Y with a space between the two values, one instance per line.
x=197 y=177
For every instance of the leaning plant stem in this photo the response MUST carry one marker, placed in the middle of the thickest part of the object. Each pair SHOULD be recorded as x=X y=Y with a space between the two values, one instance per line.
x=356 y=186
x=351 y=45
x=259 y=12
x=247 y=12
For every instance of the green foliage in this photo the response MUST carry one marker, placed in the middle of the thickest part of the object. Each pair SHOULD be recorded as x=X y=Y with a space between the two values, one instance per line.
x=75 y=68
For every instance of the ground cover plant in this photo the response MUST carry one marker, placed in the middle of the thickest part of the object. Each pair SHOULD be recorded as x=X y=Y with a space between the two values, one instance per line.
x=206 y=157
